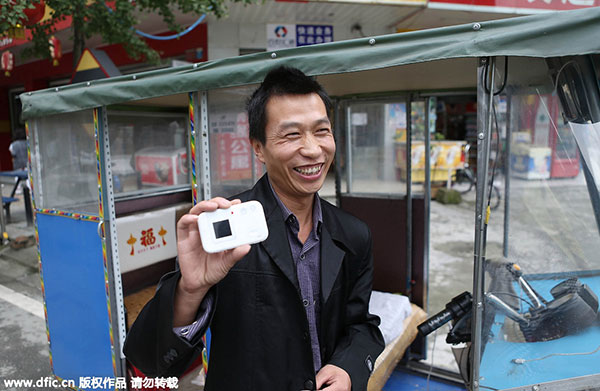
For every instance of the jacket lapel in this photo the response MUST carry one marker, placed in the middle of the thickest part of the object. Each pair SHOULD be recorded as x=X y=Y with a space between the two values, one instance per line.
x=277 y=247
x=331 y=262
x=276 y=244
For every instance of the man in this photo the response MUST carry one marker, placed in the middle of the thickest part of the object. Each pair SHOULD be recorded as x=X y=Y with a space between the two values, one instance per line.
x=290 y=313
x=18 y=150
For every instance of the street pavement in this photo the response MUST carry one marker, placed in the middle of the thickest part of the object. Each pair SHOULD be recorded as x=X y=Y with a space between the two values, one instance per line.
x=24 y=352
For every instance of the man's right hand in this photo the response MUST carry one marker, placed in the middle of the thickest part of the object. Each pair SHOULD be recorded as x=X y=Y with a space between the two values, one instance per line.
x=199 y=270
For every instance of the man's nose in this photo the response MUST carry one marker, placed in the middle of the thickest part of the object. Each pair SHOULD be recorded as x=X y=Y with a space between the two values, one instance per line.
x=310 y=146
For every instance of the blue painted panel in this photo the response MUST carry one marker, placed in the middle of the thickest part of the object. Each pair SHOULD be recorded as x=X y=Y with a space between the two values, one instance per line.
x=499 y=371
x=78 y=320
x=405 y=381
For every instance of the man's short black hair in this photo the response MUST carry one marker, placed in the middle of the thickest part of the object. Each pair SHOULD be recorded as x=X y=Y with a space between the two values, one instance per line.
x=20 y=134
x=280 y=81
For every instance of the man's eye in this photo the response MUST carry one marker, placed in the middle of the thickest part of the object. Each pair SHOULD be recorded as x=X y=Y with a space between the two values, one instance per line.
x=292 y=135
x=324 y=131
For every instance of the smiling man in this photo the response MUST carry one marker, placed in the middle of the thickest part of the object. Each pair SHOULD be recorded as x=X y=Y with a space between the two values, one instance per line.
x=290 y=313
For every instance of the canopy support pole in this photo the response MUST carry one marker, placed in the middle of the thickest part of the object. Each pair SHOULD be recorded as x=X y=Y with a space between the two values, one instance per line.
x=483 y=153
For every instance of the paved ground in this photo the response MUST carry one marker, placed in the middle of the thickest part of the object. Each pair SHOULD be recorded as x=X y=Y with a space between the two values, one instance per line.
x=23 y=340
x=552 y=229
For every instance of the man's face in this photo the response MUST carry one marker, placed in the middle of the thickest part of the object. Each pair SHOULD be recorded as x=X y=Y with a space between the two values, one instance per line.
x=299 y=146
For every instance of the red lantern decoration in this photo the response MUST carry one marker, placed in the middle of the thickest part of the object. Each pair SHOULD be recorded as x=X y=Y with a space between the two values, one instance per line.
x=7 y=62
x=55 y=50
x=35 y=14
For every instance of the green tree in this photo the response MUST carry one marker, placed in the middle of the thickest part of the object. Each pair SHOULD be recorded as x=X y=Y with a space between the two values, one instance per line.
x=114 y=21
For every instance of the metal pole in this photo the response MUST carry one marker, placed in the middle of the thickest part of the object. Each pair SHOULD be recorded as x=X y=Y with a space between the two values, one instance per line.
x=408 y=198
x=349 y=149
x=507 y=178
x=194 y=143
x=337 y=132
x=427 y=196
x=205 y=153
x=4 y=233
x=483 y=153
x=109 y=220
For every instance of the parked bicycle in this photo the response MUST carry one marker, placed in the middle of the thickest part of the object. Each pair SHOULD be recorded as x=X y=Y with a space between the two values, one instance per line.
x=464 y=180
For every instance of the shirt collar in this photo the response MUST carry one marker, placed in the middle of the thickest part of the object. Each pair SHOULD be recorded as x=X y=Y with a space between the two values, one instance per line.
x=317 y=215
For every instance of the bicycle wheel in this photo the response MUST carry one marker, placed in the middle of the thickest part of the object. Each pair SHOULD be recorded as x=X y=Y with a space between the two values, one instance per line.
x=463 y=180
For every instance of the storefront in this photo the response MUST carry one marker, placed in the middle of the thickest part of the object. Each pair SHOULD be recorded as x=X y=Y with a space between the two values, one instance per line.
x=249 y=29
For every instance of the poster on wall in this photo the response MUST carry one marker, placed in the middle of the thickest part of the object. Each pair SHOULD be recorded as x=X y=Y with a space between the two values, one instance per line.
x=234 y=152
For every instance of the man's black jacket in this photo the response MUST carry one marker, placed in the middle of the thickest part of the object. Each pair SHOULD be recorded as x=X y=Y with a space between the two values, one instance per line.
x=260 y=338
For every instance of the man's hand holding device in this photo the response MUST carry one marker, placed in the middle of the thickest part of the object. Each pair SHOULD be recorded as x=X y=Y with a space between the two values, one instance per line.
x=200 y=270
x=225 y=229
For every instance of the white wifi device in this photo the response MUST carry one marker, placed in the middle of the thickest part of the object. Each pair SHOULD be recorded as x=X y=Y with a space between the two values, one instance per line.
x=224 y=229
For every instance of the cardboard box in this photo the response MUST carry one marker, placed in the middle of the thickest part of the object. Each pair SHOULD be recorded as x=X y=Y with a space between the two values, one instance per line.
x=530 y=162
x=162 y=166
x=445 y=158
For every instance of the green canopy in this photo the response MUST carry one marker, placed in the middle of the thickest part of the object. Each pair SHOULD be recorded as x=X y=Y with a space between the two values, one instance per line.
x=543 y=35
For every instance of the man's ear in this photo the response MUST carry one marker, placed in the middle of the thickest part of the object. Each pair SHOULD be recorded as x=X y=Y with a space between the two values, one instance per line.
x=257 y=146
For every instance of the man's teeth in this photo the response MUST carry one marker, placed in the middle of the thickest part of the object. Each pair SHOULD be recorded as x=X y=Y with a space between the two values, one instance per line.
x=309 y=171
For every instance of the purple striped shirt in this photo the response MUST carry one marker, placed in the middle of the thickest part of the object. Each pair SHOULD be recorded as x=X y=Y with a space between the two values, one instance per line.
x=307 y=259
x=189 y=332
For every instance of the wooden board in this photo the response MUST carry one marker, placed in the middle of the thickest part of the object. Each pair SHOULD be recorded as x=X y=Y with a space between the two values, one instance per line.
x=393 y=352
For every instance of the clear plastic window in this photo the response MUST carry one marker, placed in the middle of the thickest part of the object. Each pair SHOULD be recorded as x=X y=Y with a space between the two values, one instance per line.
x=377 y=155
x=233 y=164
x=149 y=151
x=542 y=269
x=63 y=152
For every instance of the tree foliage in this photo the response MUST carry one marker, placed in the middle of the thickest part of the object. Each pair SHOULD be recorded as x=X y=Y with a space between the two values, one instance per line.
x=114 y=21
x=11 y=13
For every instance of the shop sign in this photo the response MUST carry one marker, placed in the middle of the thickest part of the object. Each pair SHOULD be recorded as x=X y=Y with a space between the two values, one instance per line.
x=234 y=152
x=5 y=41
x=414 y=3
x=9 y=42
x=281 y=36
x=284 y=36
x=310 y=34
x=512 y=6
x=147 y=238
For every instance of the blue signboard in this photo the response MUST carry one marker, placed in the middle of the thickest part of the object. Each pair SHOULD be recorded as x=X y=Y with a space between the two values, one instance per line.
x=309 y=34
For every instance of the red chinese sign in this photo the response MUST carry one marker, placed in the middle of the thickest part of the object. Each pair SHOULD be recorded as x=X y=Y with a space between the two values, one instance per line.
x=234 y=152
x=147 y=240
x=549 y=5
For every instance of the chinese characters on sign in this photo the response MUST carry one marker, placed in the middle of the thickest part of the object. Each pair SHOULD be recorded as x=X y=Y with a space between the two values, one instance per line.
x=283 y=36
x=234 y=152
x=235 y=159
x=307 y=34
x=146 y=238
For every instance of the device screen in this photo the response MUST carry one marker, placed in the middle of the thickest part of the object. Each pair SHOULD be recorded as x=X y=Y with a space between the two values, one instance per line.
x=222 y=229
